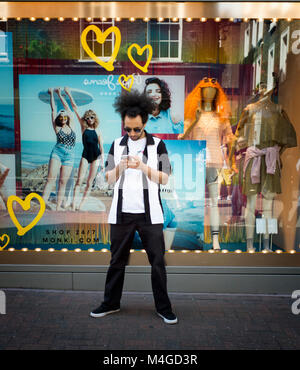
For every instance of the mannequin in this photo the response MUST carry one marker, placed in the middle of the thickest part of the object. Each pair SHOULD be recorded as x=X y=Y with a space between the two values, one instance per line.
x=268 y=132
x=208 y=103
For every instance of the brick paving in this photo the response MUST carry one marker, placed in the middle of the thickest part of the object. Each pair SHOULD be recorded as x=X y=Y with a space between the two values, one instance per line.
x=48 y=320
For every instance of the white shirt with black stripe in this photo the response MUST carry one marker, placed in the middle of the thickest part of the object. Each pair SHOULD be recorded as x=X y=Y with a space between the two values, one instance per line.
x=134 y=192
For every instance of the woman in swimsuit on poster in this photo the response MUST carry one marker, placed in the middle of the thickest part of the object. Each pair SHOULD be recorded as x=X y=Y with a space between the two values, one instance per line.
x=62 y=156
x=92 y=151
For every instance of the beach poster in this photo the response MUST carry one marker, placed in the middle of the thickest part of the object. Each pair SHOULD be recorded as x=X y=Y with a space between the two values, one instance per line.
x=182 y=198
x=65 y=228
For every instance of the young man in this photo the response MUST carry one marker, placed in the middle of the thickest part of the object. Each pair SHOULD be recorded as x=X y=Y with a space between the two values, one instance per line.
x=137 y=163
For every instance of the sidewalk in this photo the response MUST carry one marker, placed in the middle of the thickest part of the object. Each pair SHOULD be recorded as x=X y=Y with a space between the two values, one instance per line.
x=39 y=319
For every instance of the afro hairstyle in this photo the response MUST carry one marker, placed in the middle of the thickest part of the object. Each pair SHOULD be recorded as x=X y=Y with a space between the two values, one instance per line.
x=133 y=104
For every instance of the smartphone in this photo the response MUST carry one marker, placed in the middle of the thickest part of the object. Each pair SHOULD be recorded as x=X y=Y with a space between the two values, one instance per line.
x=128 y=157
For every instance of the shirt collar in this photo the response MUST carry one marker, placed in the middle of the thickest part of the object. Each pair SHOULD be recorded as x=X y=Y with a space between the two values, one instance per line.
x=153 y=118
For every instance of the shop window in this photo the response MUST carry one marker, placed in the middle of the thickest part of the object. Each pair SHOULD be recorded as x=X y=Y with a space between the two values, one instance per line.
x=284 y=49
x=271 y=58
x=166 y=40
x=102 y=51
x=247 y=42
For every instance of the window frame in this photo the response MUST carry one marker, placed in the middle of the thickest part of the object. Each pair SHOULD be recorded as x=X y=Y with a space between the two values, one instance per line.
x=180 y=31
x=81 y=28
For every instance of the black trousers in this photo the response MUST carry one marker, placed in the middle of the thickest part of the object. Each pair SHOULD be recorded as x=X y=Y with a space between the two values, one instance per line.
x=152 y=237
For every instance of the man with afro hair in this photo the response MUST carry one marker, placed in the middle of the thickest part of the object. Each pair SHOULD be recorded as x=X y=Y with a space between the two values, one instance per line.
x=137 y=164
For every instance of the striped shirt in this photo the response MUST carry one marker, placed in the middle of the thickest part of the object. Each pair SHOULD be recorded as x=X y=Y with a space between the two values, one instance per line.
x=155 y=155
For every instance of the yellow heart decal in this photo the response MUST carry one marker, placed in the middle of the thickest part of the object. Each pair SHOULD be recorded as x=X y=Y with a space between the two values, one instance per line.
x=123 y=79
x=101 y=37
x=2 y=238
x=25 y=204
x=140 y=51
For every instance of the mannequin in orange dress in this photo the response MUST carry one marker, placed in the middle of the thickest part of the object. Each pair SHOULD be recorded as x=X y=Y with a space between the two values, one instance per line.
x=207 y=118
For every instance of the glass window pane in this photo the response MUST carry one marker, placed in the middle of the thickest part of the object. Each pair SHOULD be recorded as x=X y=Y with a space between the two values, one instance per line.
x=174 y=34
x=107 y=49
x=174 y=50
x=106 y=26
x=154 y=32
x=155 y=47
x=90 y=44
x=90 y=36
x=164 y=32
x=164 y=46
x=85 y=55
x=98 y=49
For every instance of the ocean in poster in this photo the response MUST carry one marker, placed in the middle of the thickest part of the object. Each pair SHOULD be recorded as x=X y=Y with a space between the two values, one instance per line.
x=37 y=153
x=7 y=132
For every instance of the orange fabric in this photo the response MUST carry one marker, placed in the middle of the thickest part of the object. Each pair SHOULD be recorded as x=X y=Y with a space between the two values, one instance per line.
x=194 y=101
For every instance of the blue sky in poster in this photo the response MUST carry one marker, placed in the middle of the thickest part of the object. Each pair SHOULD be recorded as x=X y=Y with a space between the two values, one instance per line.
x=35 y=115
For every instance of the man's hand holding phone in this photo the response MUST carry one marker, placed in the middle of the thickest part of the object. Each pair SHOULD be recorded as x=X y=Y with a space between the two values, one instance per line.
x=129 y=161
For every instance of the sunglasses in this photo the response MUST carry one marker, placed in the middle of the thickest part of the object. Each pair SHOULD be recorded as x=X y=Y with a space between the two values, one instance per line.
x=62 y=116
x=212 y=80
x=90 y=117
x=135 y=129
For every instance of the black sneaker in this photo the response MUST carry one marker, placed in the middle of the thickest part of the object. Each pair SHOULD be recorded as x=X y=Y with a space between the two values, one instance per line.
x=168 y=317
x=103 y=311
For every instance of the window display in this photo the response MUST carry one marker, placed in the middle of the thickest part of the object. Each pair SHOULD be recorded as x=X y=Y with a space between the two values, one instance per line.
x=225 y=92
x=208 y=104
x=266 y=132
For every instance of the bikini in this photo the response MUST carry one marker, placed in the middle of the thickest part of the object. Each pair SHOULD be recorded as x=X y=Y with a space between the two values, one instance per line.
x=64 y=150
